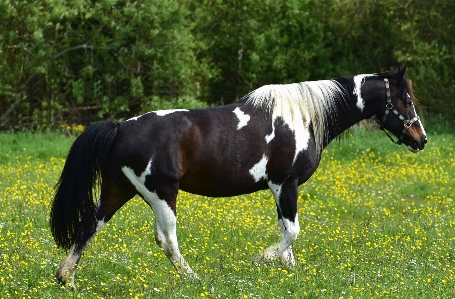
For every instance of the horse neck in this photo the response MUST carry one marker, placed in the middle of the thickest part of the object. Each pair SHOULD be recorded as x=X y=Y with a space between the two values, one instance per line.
x=349 y=112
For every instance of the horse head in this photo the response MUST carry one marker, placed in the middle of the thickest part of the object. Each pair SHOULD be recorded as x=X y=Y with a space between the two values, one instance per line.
x=397 y=114
x=393 y=107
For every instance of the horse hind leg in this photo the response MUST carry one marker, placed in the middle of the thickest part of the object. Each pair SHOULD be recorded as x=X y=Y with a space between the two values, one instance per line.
x=164 y=208
x=108 y=203
x=286 y=201
x=166 y=235
x=67 y=269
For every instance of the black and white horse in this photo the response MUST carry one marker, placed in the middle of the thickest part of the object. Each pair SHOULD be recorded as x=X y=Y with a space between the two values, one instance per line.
x=272 y=138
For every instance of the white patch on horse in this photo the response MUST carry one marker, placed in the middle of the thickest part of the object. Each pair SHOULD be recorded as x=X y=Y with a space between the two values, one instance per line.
x=166 y=112
x=270 y=137
x=258 y=171
x=359 y=80
x=99 y=225
x=136 y=117
x=243 y=118
x=276 y=190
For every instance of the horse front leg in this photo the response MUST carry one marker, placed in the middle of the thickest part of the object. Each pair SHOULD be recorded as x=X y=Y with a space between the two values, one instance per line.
x=286 y=202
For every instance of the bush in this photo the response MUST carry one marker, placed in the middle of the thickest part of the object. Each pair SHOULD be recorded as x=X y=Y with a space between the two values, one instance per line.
x=78 y=62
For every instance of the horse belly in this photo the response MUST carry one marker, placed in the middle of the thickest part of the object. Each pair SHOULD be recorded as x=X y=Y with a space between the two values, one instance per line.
x=219 y=184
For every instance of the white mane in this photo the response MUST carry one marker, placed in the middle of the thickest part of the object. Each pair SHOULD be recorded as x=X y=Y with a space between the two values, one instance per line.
x=308 y=102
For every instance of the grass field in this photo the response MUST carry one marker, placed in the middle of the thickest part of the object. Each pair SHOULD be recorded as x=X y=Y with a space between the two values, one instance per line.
x=376 y=221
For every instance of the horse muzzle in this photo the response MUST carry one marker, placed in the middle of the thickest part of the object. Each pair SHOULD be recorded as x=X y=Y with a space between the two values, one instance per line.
x=416 y=144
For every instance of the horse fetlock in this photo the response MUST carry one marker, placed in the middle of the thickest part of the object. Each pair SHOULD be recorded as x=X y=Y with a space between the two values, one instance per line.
x=266 y=256
x=287 y=258
x=184 y=269
x=188 y=273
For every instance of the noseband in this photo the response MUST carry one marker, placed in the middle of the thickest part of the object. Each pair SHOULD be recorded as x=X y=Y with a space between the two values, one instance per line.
x=407 y=123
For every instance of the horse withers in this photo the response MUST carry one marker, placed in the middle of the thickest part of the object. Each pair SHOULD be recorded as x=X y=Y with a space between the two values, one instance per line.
x=271 y=138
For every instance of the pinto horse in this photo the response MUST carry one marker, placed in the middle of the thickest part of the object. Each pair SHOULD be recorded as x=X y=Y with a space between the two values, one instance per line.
x=271 y=138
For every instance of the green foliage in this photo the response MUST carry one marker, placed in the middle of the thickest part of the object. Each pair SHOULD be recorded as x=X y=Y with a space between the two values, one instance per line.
x=112 y=56
x=80 y=61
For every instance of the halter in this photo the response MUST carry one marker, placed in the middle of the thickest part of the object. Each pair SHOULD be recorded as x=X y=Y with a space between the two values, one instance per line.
x=407 y=123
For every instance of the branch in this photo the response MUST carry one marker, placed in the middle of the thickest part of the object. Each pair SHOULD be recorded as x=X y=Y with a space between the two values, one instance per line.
x=84 y=46
x=4 y=117
x=22 y=48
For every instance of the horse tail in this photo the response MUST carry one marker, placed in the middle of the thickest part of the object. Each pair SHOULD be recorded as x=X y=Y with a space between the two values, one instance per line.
x=73 y=211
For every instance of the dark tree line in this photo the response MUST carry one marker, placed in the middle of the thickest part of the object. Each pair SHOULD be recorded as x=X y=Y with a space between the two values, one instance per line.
x=82 y=61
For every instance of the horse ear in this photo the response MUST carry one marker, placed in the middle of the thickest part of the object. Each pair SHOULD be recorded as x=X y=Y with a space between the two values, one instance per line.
x=400 y=71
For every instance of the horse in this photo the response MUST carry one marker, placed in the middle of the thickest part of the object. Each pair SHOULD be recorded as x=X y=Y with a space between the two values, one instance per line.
x=272 y=138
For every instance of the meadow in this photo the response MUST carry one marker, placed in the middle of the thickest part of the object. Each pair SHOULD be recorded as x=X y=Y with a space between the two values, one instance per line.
x=376 y=221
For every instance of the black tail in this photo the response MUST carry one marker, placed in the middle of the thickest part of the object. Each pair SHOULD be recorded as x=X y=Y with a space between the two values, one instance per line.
x=73 y=212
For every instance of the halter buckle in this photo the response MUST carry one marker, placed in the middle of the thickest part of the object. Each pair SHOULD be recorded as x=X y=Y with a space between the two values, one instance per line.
x=389 y=106
x=408 y=124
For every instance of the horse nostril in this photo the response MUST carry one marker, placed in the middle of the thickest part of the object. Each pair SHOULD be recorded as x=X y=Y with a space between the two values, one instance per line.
x=425 y=140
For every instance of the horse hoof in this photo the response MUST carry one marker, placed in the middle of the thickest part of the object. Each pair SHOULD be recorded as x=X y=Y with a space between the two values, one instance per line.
x=190 y=276
x=193 y=276
x=288 y=263
x=288 y=260
x=65 y=280
x=258 y=260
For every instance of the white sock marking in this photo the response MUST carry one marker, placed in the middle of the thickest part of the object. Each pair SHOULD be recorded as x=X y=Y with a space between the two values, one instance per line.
x=291 y=229
x=243 y=118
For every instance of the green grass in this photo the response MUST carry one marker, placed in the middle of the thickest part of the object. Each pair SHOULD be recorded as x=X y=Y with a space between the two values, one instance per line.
x=376 y=221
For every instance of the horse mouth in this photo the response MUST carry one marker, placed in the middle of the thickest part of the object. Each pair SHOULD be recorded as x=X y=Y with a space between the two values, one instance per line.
x=414 y=150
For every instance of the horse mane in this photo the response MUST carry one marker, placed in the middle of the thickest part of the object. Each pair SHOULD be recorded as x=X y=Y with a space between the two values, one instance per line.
x=315 y=102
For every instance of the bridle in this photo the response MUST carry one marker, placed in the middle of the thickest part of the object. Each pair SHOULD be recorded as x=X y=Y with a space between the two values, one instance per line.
x=407 y=123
